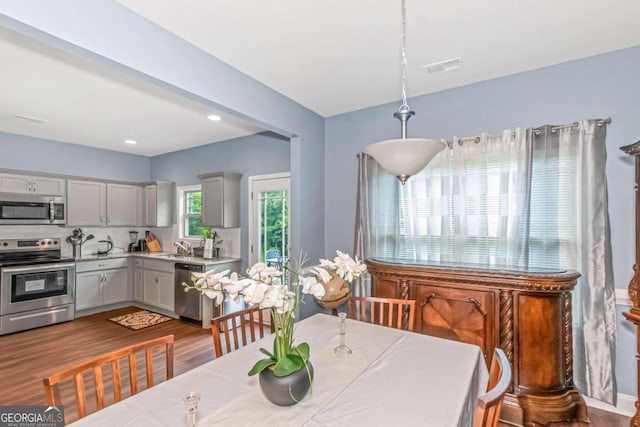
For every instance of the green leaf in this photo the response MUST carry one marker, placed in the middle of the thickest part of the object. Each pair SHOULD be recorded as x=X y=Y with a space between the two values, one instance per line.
x=288 y=365
x=266 y=352
x=302 y=350
x=261 y=365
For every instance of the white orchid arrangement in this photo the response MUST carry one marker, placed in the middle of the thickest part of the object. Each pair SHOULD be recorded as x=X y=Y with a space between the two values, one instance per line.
x=263 y=286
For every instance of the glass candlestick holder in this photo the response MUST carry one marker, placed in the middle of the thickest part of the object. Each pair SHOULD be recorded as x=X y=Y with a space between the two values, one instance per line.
x=342 y=350
x=191 y=405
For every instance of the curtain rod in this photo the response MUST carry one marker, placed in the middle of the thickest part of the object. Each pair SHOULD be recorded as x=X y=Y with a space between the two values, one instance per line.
x=554 y=129
x=537 y=131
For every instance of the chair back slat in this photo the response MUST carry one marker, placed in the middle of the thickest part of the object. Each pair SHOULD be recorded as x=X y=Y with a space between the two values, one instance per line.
x=149 y=357
x=236 y=336
x=487 y=413
x=99 y=383
x=112 y=359
x=80 y=397
x=383 y=311
x=133 y=373
x=117 y=383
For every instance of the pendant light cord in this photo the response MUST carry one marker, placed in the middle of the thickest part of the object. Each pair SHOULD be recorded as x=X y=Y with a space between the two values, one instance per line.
x=404 y=107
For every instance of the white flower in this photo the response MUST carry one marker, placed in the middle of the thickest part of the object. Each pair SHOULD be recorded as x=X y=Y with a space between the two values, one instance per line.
x=260 y=272
x=311 y=286
x=323 y=273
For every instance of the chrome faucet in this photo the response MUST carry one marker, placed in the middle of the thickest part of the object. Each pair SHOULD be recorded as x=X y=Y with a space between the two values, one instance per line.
x=185 y=246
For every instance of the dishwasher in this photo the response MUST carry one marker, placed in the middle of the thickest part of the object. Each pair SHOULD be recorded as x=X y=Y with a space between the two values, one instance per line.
x=189 y=304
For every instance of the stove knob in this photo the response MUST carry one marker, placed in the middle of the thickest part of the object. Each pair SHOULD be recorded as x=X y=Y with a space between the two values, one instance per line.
x=48 y=242
x=5 y=244
x=55 y=242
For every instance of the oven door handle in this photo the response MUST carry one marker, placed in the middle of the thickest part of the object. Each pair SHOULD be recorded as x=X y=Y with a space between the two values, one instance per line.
x=40 y=267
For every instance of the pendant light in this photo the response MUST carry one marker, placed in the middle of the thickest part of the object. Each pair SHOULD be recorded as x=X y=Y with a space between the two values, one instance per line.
x=404 y=157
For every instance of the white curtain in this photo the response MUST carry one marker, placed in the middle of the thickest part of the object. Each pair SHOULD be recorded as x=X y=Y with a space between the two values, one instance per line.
x=520 y=199
x=569 y=181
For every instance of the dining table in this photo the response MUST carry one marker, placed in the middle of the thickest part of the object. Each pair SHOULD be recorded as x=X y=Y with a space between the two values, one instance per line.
x=392 y=377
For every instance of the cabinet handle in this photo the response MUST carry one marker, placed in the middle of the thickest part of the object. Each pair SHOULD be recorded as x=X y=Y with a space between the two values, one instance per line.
x=101 y=219
x=108 y=220
x=476 y=304
x=157 y=280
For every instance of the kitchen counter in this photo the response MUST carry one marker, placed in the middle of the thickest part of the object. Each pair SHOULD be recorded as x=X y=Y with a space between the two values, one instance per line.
x=162 y=256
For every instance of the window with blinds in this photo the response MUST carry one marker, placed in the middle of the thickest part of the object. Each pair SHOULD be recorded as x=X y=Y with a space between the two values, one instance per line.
x=471 y=210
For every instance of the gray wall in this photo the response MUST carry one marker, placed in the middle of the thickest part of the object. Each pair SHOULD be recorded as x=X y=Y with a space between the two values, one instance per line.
x=44 y=155
x=250 y=155
x=597 y=87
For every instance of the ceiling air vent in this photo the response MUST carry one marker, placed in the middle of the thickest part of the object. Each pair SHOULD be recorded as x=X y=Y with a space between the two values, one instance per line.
x=446 y=65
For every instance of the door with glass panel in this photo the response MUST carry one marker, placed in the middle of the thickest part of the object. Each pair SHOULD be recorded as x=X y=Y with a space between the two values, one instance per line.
x=269 y=219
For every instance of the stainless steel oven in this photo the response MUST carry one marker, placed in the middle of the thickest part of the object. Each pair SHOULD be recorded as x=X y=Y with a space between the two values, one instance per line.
x=37 y=287
x=31 y=209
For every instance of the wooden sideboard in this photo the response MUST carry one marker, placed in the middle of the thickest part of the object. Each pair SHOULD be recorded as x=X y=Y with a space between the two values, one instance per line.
x=525 y=312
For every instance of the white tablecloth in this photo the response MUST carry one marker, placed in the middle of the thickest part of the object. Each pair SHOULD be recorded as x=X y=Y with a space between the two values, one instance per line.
x=392 y=378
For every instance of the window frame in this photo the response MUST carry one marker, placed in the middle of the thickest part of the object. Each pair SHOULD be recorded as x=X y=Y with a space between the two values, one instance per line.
x=182 y=212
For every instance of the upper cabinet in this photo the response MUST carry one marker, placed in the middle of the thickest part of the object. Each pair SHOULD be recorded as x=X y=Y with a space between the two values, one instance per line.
x=221 y=199
x=28 y=184
x=86 y=203
x=122 y=204
x=159 y=204
x=101 y=204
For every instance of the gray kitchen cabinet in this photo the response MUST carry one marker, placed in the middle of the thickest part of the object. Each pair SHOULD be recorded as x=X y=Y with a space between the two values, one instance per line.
x=115 y=286
x=159 y=204
x=91 y=203
x=158 y=284
x=100 y=283
x=86 y=203
x=138 y=284
x=88 y=290
x=221 y=199
x=122 y=205
x=30 y=184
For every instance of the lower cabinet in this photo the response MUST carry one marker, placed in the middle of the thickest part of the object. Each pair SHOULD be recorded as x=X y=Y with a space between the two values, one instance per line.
x=138 y=284
x=95 y=288
x=158 y=286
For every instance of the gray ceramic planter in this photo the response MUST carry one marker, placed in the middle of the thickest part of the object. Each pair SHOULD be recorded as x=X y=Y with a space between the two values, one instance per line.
x=286 y=391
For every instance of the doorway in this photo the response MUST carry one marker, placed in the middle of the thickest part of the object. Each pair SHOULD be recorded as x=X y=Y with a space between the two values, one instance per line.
x=269 y=219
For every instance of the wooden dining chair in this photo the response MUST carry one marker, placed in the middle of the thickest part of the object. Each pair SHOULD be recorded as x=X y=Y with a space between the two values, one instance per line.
x=51 y=384
x=487 y=411
x=383 y=311
x=239 y=328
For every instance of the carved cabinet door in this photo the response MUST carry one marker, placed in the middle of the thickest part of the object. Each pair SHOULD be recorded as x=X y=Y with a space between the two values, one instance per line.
x=458 y=314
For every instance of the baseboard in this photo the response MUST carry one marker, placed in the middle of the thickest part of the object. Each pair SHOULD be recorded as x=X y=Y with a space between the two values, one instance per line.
x=622 y=297
x=626 y=405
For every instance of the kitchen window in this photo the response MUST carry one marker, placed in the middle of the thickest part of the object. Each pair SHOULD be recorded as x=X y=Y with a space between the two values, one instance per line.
x=191 y=212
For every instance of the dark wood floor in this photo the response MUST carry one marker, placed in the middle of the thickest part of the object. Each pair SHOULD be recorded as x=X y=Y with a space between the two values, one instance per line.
x=29 y=356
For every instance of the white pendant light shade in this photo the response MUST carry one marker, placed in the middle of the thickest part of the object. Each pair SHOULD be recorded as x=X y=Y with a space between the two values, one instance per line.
x=405 y=157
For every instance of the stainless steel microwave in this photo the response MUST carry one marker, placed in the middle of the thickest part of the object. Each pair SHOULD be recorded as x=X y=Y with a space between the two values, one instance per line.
x=31 y=209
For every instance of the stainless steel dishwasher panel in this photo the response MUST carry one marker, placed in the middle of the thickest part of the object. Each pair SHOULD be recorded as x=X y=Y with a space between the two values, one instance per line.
x=187 y=304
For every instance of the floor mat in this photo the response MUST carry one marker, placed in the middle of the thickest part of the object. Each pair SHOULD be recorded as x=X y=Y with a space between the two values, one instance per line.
x=140 y=319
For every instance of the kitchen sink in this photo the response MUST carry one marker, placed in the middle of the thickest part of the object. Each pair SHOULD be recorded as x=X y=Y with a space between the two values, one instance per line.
x=172 y=256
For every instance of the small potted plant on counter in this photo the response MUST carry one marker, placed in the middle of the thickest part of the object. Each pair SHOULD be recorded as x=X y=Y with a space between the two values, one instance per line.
x=212 y=241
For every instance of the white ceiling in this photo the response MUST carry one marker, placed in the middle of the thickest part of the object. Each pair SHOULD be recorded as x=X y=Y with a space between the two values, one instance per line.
x=335 y=56
x=83 y=103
